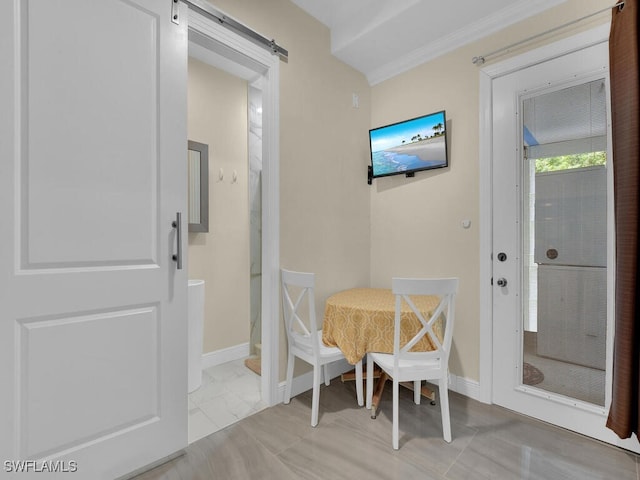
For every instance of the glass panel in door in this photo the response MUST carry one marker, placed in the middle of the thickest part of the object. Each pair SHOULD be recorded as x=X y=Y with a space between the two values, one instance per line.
x=565 y=242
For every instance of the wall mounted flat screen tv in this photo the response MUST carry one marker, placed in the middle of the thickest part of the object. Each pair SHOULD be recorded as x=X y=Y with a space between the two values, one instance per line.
x=409 y=146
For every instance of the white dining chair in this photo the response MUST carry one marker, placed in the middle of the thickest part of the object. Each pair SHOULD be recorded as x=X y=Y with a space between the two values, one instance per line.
x=406 y=366
x=305 y=340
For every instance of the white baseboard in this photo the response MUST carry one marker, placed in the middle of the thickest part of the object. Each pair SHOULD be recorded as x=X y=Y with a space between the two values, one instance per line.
x=225 y=355
x=302 y=383
x=464 y=386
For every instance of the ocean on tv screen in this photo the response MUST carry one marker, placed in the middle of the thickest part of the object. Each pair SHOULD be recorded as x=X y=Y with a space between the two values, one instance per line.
x=418 y=155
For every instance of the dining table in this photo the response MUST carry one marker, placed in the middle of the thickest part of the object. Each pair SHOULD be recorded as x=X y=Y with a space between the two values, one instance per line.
x=362 y=320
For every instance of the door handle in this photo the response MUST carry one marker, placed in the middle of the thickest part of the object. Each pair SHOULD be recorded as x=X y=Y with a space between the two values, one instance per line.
x=177 y=224
x=502 y=282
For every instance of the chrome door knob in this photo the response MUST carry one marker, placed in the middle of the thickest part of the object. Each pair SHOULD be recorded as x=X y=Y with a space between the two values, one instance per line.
x=502 y=282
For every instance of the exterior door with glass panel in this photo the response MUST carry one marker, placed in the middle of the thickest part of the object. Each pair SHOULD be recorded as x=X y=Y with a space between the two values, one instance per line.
x=552 y=255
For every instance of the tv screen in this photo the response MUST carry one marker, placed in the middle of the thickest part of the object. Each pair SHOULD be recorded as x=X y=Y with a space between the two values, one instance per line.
x=409 y=146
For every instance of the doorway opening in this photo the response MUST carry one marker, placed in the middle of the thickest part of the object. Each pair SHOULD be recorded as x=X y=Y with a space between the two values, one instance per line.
x=244 y=200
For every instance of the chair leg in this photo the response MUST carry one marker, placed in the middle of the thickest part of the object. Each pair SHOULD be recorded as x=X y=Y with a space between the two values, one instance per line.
x=359 y=383
x=316 y=395
x=395 y=414
x=417 y=385
x=369 y=381
x=287 y=387
x=444 y=408
x=327 y=379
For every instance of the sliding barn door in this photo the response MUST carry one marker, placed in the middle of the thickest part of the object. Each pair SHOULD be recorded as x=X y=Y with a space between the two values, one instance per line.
x=92 y=174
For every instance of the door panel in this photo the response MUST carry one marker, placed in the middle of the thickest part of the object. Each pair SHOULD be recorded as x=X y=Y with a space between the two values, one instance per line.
x=93 y=324
x=67 y=217
x=59 y=409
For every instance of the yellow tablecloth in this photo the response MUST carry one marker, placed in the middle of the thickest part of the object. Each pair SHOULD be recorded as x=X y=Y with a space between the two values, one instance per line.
x=361 y=320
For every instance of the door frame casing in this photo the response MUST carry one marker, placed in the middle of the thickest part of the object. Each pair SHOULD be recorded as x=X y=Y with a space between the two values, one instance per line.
x=270 y=190
x=487 y=75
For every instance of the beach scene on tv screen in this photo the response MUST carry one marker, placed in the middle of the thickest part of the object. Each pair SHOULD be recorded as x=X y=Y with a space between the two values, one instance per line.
x=412 y=145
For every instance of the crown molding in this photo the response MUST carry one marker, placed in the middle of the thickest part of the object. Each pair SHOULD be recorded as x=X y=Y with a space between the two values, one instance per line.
x=477 y=30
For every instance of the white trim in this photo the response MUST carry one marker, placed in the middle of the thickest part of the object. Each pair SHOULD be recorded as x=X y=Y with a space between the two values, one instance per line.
x=471 y=33
x=487 y=75
x=212 y=13
x=486 y=241
x=271 y=232
x=263 y=62
x=233 y=42
x=465 y=386
x=224 y=355
x=302 y=383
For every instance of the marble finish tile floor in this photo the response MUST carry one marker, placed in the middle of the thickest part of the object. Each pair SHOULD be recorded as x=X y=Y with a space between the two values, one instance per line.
x=229 y=393
x=489 y=442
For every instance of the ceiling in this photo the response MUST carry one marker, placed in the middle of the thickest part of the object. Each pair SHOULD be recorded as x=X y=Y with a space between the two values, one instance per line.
x=382 y=38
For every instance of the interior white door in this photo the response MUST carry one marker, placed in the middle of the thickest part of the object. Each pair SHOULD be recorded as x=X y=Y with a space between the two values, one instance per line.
x=509 y=202
x=92 y=173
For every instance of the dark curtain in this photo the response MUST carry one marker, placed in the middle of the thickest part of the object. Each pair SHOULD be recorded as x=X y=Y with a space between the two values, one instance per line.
x=623 y=58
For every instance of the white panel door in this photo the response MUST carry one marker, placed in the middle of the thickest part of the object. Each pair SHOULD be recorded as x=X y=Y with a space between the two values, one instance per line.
x=509 y=203
x=92 y=173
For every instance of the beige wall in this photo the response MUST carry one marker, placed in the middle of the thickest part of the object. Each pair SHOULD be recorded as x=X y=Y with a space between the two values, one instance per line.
x=331 y=221
x=324 y=195
x=416 y=224
x=323 y=152
x=217 y=116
